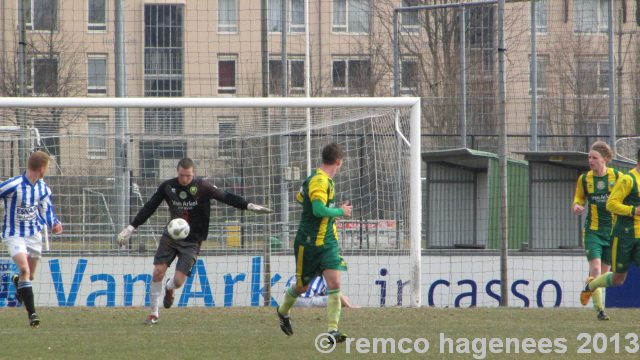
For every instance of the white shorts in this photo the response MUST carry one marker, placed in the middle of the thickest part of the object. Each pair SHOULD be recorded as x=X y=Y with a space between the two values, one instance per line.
x=314 y=301
x=30 y=245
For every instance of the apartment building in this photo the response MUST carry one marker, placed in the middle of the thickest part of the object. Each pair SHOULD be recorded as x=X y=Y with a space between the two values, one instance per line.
x=232 y=48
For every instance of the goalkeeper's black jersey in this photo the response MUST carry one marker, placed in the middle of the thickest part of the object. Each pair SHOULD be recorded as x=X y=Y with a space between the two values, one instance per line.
x=191 y=202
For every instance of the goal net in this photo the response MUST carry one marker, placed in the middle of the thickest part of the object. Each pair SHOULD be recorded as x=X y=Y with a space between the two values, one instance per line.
x=109 y=156
x=627 y=148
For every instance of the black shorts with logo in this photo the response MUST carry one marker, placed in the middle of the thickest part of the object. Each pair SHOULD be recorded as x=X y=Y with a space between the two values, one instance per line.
x=186 y=251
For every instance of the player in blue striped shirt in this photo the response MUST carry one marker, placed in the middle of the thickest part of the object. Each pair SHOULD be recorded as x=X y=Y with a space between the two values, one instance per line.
x=27 y=210
x=317 y=296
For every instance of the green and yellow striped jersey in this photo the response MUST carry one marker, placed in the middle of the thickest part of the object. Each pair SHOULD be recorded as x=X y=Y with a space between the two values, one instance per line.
x=624 y=199
x=313 y=230
x=595 y=190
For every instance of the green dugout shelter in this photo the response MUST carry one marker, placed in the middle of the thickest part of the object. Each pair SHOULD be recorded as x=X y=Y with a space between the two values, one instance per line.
x=461 y=200
x=552 y=185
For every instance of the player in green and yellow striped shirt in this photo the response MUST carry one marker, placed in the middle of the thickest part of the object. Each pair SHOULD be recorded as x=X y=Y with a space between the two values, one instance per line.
x=593 y=188
x=625 y=203
x=316 y=245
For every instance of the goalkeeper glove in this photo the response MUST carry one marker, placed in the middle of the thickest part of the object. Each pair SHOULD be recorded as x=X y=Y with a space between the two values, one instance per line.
x=125 y=235
x=259 y=209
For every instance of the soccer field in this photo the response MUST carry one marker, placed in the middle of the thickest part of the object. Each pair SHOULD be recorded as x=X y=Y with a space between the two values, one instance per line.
x=253 y=333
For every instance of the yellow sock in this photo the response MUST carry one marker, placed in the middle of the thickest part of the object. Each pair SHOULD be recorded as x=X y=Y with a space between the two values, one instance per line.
x=334 y=308
x=290 y=298
x=602 y=281
x=597 y=299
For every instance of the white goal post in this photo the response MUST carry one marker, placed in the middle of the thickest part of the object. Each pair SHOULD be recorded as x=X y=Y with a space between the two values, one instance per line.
x=407 y=136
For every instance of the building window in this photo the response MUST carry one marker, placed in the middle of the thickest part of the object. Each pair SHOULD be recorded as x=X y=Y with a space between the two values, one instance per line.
x=596 y=127
x=409 y=20
x=41 y=15
x=295 y=13
x=544 y=138
x=163 y=121
x=480 y=26
x=227 y=16
x=163 y=67
x=351 y=75
x=44 y=75
x=163 y=87
x=97 y=74
x=227 y=137
x=295 y=76
x=97 y=15
x=275 y=77
x=296 y=68
x=542 y=16
x=351 y=16
x=592 y=76
x=408 y=75
x=542 y=65
x=227 y=74
x=480 y=37
x=590 y=16
x=96 y=139
x=163 y=40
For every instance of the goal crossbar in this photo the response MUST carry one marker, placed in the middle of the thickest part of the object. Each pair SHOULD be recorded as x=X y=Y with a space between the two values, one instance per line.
x=142 y=102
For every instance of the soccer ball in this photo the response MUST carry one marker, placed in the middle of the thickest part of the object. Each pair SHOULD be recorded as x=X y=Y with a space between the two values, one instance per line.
x=178 y=228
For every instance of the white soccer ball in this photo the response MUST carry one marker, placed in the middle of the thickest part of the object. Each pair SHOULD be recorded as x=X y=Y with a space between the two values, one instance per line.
x=178 y=228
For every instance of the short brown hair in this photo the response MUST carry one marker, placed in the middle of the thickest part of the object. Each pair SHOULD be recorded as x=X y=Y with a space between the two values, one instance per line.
x=185 y=163
x=604 y=149
x=332 y=153
x=38 y=160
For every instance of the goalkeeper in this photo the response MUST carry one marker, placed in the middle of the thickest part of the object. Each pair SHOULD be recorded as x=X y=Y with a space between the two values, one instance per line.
x=316 y=244
x=188 y=198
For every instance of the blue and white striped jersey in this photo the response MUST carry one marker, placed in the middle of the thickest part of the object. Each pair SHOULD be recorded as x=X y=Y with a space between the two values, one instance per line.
x=27 y=207
x=317 y=287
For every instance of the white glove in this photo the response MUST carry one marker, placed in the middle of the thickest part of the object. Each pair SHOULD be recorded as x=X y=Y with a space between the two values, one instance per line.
x=259 y=209
x=125 y=235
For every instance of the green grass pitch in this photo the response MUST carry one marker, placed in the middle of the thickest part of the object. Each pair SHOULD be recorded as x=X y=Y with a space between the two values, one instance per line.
x=253 y=333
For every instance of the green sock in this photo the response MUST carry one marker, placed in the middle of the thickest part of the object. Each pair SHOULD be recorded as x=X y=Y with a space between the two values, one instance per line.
x=334 y=308
x=597 y=299
x=602 y=281
x=290 y=298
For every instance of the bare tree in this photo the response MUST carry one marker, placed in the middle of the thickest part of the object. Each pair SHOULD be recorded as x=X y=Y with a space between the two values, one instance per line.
x=429 y=46
x=53 y=63
x=577 y=85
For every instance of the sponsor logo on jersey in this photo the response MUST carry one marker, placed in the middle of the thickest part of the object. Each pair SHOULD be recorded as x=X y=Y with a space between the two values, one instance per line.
x=182 y=195
x=600 y=198
x=26 y=213
x=184 y=204
x=600 y=185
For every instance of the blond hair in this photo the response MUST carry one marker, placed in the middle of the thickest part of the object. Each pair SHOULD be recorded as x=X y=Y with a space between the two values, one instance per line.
x=38 y=160
x=603 y=149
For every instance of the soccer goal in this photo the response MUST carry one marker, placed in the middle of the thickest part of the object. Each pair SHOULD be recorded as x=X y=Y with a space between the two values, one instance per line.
x=110 y=154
